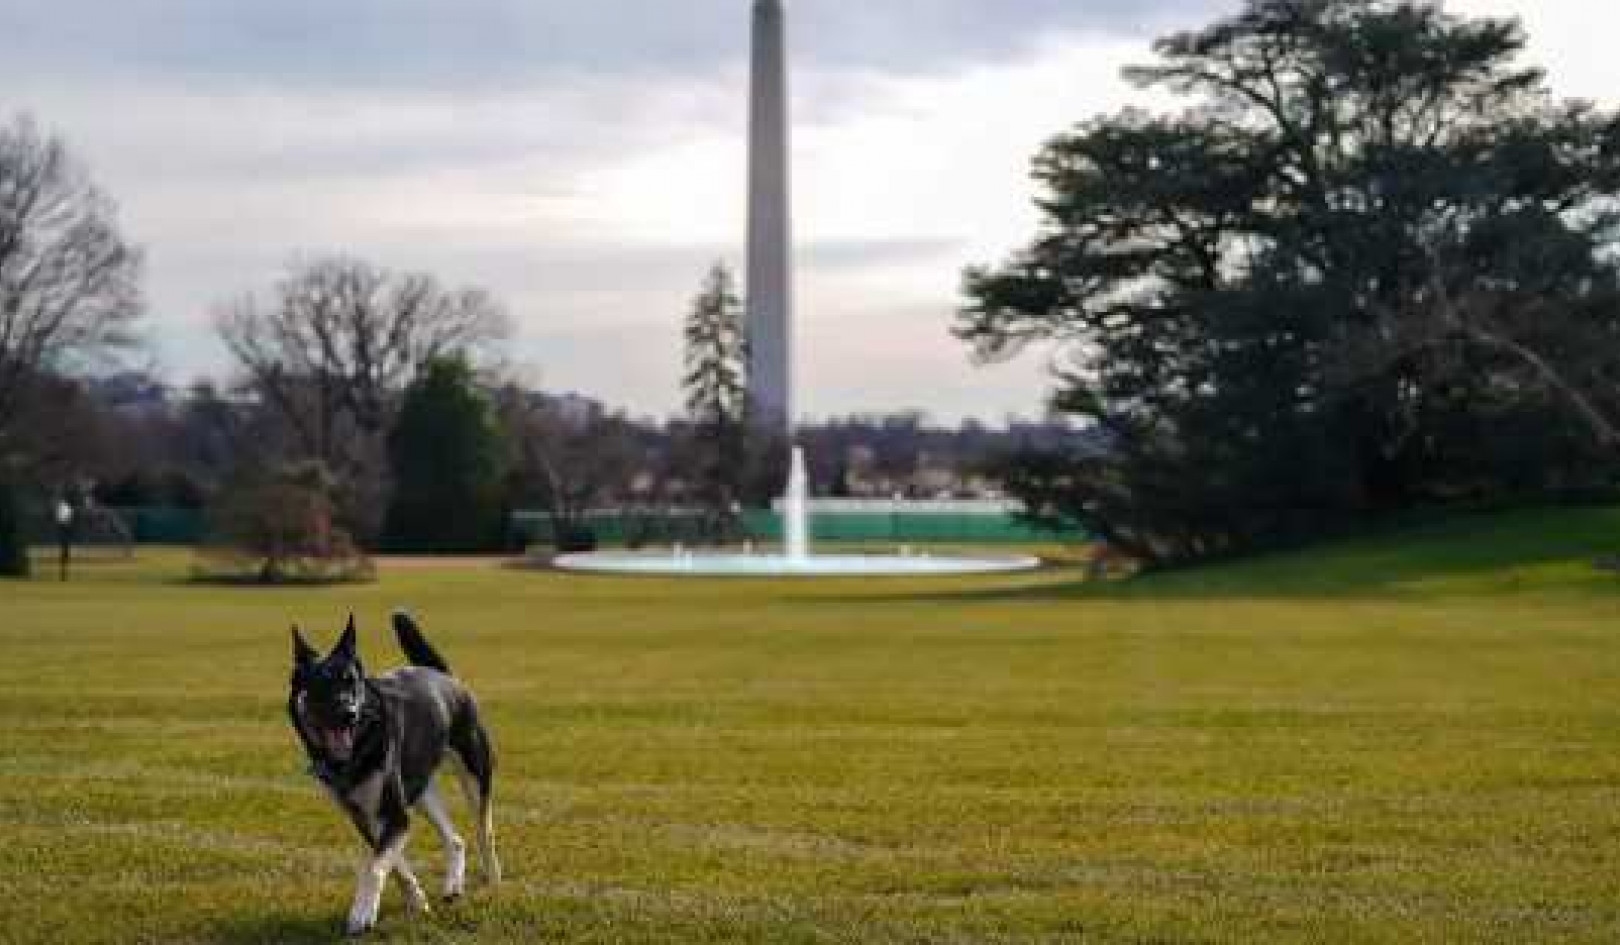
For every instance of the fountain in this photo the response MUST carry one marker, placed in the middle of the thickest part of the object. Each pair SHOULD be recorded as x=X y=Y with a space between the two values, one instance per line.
x=796 y=558
x=769 y=320
x=796 y=510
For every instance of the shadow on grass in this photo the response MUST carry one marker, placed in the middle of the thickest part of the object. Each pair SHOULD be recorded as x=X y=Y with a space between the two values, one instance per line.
x=1545 y=550
x=257 y=585
x=277 y=929
x=448 y=922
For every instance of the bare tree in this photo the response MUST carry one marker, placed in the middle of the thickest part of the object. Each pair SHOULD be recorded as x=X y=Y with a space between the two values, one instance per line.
x=69 y=283
x=571 y=465
x=331 y=350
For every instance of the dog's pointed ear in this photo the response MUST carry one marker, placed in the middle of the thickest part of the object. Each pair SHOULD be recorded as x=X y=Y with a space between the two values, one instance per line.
x=303 y=654
x=349 y=645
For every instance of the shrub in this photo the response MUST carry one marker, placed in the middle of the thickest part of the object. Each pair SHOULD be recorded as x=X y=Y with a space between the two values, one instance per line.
x=279 y=528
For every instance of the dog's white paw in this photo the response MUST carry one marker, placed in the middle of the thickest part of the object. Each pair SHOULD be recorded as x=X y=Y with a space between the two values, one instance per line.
x=368 y=894
x=359 y=926
x=455 y=874
x=416 y=901
x=363 y=916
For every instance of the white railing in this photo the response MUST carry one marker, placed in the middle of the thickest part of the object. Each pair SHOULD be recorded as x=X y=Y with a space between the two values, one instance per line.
x=987 y=508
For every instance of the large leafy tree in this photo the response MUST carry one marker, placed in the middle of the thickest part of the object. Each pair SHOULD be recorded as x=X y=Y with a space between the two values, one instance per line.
x=1371 y=241
x=716 y=397
x=331 y=351
x=449 y=461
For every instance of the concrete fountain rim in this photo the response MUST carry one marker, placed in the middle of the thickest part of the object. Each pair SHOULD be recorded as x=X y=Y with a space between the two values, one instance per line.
x=670 y=563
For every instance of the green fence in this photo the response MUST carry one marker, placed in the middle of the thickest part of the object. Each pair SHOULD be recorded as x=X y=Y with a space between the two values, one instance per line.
x=147 y=525
x=931 y=523
x=897 y=527
x=165 y=526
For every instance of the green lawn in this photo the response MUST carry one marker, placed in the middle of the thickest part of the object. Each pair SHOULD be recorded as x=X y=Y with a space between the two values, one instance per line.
x=1412 y=738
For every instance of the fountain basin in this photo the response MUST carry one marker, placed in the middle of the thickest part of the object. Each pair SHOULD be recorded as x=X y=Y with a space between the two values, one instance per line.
x=772 y=565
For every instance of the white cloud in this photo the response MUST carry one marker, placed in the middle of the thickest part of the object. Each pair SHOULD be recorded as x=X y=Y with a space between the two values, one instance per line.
x=924 y=176
x=594 y=206
x=1572 y=39
x=593 y=199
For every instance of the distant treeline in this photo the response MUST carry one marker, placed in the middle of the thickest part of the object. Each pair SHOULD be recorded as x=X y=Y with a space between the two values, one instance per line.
x=129 y=441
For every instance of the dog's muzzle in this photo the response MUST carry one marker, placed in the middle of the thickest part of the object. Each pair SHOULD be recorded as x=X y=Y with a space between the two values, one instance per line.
x=338 y=742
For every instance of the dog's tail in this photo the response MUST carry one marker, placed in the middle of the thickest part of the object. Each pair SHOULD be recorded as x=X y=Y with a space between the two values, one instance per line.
x=416 y=647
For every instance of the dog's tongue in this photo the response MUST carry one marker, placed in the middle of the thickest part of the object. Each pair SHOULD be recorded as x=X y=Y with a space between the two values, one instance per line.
x=339 y=742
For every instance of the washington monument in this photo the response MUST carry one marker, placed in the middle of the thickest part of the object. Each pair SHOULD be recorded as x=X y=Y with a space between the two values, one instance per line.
x=769 y=285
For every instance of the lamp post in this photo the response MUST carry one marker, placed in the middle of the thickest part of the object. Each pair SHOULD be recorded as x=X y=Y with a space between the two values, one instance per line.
x=64 y=536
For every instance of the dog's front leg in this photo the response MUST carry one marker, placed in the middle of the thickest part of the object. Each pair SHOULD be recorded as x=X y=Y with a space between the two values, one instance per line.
x=455 y=849
x=415 y=899
x=374 y=869
x=383 y=857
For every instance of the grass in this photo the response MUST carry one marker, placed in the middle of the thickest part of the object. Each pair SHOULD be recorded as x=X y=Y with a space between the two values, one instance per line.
x=1398 y=739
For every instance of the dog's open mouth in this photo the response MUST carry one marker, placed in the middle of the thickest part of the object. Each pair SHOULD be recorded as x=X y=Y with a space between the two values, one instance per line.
x=338 y=742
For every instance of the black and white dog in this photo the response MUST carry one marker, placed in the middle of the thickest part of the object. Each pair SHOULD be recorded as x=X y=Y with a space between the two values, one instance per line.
x=375 y=743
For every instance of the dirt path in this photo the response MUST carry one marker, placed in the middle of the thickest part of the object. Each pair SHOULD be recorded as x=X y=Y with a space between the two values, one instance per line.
x=445 y=562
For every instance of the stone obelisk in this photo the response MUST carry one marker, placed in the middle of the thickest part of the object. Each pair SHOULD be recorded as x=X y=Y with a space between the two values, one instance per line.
x=770 y=270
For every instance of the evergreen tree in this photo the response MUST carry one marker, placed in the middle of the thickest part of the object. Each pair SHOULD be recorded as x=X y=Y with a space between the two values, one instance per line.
x=448 y=458
x=716 y=397
x=1372 y=245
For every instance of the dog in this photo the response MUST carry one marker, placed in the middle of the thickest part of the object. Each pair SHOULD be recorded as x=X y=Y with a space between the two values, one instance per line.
x=375 y=744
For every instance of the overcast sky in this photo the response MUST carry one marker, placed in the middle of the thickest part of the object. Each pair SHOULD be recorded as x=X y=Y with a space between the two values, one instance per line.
x=585 y=160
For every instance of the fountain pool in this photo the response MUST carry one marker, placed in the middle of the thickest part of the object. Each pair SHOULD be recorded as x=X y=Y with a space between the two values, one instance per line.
x=797 y=560
x=774 y=565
